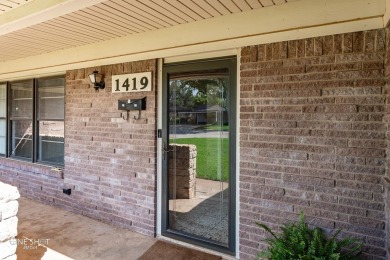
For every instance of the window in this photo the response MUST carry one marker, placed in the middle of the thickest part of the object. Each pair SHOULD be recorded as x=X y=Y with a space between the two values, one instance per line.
x=3 y=118
x=36 y=120
x=21 y=119
x=50 y=120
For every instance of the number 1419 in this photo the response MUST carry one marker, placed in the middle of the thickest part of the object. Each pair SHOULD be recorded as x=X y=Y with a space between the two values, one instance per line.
x=131 y=82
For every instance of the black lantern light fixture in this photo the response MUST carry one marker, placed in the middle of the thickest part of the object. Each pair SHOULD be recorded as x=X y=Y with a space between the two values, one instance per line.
x=97 y=80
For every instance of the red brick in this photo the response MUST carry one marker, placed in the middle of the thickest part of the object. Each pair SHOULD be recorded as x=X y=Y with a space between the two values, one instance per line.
x=359 y=57
x=330 y=109
x=373 y=100
x=360 y=186
x=338 y=208
x=338 y=43
x=253 y=54
x=261 y=53
x=270 y=65
x=380 y=41
x=361 y=152
x=328 y=45
x=367 y=143
x=358 y=41
x=268 y=52
x=373 y=65
x=276 y=51
x=300 y=48
x=318 y=47
x=368 y=126
x=362 y=204
x=347 y=66
x=308 y=180
x=369 y=41
x=309 y=47
x=351 y=91
x=321 y=131
x=245 y=51
x=292 y=49
x=347 y=43
x=318 y=68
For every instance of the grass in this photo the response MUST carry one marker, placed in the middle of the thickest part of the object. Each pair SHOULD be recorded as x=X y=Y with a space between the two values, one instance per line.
x=214 y=127
x=209 y=156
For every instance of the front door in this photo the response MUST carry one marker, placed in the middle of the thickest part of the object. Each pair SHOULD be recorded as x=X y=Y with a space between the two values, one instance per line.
x=199 y=153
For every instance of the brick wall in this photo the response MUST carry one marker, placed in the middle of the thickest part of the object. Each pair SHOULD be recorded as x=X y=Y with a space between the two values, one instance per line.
x=387 y=120
x=35 y=181
x=313 y=137
x=110 y=162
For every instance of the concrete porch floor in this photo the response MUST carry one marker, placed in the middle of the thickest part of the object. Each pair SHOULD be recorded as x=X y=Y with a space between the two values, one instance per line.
x=65 y=235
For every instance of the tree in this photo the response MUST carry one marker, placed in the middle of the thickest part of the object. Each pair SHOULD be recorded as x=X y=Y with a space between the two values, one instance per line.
x=192 y=93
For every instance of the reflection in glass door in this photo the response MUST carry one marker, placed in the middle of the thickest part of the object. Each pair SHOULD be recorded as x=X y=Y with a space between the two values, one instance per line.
x=199 y=153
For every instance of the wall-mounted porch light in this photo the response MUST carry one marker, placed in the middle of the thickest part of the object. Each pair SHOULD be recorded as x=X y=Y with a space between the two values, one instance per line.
x=97 y=80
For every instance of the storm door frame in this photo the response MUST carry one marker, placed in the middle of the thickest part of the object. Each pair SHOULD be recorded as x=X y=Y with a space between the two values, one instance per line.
x=231 y=64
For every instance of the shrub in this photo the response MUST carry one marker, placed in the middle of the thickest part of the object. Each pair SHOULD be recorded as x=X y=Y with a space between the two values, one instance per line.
x=298 y=241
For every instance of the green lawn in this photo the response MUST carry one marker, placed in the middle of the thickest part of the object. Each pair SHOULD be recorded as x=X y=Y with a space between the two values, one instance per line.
x=214 y=127
x=210 y=153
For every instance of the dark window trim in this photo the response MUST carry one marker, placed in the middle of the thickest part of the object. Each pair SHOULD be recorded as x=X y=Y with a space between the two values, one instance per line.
x=8 y=126
x=34 y=118
x=5 y=118
x=38 y=119
x=15 y=119
x=35 y=132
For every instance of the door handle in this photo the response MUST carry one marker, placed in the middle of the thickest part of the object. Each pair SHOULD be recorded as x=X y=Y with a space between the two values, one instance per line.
x=164 y=150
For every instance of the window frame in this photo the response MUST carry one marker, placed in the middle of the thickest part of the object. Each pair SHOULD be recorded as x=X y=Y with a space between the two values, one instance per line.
x=6 y=119
x=35 y=121
x=12 y=119
x=38 y=120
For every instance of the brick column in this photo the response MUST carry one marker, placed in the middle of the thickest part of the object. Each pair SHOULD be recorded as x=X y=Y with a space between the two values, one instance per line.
x=8 y=220
x=182 y=169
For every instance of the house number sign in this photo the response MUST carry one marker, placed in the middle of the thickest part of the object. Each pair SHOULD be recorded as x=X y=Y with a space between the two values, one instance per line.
x=135 y=82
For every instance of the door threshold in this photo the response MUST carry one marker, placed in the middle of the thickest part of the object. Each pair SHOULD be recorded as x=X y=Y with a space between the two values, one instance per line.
x=191 y=246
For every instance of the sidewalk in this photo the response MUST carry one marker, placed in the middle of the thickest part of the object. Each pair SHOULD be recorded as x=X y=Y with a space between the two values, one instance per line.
x=64 y=235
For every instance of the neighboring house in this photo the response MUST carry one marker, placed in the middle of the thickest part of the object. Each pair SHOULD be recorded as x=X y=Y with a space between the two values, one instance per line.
x=201 y=115
x=211 y=115
x=307 y=112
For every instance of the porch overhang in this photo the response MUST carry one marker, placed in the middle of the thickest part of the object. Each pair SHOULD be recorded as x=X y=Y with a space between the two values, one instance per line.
x=187 y=34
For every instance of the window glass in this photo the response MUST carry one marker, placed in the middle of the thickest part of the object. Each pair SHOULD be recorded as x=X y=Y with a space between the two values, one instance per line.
x=51 y=120
x=21 y=138
x=51 y=141
x=3 y=100
x=21 y=119
x=3 y=127
x=3 y=114
x=51 y=99
x=21 y=99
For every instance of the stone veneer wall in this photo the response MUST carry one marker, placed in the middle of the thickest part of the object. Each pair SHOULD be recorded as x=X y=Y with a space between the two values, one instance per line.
x=313 y=137
x=8 y=220
x=182 y=169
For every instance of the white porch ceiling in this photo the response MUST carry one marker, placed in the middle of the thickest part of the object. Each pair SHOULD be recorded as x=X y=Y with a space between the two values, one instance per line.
x=112 y=19
x=8 y=5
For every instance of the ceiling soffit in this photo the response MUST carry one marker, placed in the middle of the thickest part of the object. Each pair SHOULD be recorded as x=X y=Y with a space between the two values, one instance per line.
x=105 y=20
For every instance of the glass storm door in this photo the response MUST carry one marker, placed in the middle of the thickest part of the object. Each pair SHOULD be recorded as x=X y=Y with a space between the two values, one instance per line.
x=199 y=153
